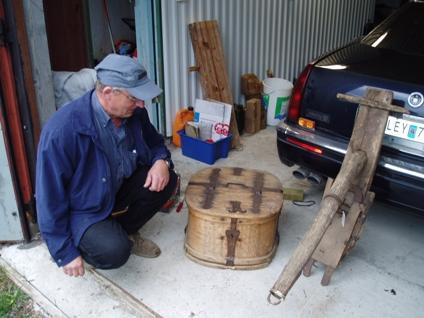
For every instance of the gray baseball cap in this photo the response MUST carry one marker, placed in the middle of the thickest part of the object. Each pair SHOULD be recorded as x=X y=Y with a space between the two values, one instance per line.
x=125 y=72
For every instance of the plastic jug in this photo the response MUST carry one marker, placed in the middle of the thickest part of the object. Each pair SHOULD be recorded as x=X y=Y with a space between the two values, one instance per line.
x=183 y=115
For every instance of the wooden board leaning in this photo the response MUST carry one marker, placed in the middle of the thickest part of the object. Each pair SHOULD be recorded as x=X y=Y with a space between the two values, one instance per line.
x=210 y=61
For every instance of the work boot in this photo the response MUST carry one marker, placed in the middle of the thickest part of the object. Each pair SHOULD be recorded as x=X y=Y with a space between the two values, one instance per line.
x=143 y=247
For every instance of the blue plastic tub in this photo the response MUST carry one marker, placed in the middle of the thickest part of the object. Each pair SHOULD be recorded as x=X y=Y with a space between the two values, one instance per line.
x=204 y=151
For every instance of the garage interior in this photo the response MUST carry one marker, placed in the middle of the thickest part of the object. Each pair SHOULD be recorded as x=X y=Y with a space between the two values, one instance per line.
x=382 y=276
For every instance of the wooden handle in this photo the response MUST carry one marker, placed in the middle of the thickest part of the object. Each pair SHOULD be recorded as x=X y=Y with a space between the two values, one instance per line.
x=371 y=103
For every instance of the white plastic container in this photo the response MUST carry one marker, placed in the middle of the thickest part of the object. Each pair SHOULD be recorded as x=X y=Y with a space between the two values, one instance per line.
x=276 y=96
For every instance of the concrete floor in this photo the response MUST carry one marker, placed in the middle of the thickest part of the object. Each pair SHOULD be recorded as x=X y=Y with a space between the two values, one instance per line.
x=382 y=277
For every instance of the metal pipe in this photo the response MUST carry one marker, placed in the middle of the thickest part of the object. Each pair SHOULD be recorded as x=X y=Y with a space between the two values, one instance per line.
x=314 y=178
x=301 y=173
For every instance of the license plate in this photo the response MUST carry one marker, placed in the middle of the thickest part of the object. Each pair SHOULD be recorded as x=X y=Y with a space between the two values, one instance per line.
x=406 y=129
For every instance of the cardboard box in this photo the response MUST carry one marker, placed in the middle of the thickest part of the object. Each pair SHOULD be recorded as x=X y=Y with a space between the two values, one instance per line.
x=213 y=116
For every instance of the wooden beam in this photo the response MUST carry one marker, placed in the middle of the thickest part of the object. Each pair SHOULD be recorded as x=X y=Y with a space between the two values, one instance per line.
x=355 y=176
x=372 y=103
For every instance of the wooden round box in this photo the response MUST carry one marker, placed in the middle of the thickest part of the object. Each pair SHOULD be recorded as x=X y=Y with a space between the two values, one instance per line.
x=233 y=217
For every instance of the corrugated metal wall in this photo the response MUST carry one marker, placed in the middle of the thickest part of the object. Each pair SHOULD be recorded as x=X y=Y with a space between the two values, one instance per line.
x=281 y=35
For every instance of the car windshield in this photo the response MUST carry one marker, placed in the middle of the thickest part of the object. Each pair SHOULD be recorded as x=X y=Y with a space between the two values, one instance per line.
x=402 y=32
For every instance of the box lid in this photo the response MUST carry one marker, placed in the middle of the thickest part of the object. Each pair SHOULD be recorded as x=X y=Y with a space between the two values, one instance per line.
x=235 y=192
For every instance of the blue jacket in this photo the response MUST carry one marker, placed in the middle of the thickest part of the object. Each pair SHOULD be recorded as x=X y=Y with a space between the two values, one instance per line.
x=73 y=185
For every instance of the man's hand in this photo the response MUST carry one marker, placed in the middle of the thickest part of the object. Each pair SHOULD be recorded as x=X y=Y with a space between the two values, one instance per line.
x=74 y=268
x=158 y=176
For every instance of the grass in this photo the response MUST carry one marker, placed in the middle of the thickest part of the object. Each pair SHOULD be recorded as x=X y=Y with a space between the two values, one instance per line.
x=13 y=301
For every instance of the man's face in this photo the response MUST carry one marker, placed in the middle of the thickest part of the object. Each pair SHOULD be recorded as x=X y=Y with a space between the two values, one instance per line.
x=119 y=103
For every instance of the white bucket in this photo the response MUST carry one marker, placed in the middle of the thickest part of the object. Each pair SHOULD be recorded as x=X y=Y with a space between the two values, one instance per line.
x=276 y=96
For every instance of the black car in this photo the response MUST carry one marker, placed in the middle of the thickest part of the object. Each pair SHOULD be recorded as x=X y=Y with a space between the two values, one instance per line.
x=318 y=126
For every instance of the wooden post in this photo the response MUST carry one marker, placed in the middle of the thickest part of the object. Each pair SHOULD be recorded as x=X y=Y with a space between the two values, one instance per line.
x=249 y=118
x=258 y=107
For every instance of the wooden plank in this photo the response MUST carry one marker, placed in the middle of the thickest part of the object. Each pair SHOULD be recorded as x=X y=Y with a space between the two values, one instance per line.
x=218 y=59
x=207 y=53
x=214 y=79
x=201 y=56
x=212 y=68
x=223 y=82
x=333 y=243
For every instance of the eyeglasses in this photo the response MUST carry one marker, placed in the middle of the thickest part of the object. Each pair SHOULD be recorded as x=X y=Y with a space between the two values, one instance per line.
x=131 y=98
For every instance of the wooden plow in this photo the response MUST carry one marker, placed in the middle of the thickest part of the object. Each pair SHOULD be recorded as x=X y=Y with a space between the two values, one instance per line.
x=346 y=200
